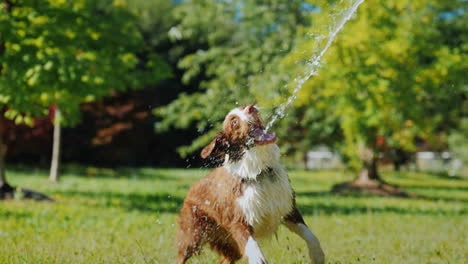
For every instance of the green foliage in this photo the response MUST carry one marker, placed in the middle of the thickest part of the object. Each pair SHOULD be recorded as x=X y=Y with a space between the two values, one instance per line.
x=395 y=72
x=458 y=141
x=391 y=74
x=131 y=218
x=237 y=41
x=68 y=52
x=154 y=19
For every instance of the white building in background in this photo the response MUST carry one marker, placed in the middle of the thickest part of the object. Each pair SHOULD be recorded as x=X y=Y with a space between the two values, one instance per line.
x=322 y=158
x=443 y=162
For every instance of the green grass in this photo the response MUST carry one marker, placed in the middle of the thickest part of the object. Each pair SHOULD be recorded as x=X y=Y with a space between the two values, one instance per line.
x=129 y=217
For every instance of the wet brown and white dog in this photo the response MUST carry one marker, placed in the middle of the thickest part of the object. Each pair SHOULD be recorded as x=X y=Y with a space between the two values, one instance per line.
x=245 y=199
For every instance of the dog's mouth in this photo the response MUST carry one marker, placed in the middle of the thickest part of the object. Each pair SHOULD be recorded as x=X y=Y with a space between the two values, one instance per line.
x=262 y=137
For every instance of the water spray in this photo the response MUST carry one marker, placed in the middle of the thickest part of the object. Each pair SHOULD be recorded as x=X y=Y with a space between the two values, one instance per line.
x=313 y=64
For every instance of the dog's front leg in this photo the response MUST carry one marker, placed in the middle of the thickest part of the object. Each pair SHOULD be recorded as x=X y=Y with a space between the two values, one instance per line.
x=243 y=235
x=295 y=223
x=253 y=252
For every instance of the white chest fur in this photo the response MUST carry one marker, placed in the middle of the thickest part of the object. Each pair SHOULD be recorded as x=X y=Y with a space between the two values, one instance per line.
x=264 y=201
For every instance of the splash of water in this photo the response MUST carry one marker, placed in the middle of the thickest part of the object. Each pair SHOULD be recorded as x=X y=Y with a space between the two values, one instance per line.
x=313 y=65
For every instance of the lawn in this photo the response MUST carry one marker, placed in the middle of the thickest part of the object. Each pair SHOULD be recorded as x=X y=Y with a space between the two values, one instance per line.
x=128 y=216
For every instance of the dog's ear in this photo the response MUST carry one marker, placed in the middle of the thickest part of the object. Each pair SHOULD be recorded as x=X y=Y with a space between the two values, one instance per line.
x=216 y=147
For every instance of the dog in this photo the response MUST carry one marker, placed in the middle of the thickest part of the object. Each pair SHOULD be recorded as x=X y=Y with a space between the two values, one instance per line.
x=244 y=199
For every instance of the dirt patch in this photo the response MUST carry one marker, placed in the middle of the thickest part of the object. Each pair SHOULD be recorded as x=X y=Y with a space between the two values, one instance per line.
x=372 y=187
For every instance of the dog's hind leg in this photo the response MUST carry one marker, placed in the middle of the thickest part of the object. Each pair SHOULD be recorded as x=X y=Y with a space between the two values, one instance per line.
x=226 y=246
x=295 y=223
x=242 y=233
x=187 y=245
x=229 y=251
x=189 y=240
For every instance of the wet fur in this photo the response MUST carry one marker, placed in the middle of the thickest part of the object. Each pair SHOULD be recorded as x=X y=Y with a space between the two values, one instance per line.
x=267 y=199
x=245 y=199
x=210 y=214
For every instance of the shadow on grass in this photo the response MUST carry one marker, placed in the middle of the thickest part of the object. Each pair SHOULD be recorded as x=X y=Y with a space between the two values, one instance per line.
x=446 y=176
x=15 y=215
x=405 y=187
x=320 y=208
x=151 y=203
x=334 y=209
x=417 y=175
x=116 y=173
x=168 y=203
x=435 y=187
x=97 y=172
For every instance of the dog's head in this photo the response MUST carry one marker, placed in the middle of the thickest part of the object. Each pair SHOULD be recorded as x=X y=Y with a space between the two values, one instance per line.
x=242 y=130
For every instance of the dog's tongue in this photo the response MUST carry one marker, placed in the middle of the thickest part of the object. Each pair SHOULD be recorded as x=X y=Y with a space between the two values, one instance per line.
x=262 y=137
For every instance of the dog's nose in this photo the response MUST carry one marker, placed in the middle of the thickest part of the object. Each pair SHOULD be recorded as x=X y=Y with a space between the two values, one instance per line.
x=251 y=109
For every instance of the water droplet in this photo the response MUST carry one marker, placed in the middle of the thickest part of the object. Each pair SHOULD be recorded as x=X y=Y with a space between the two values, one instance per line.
x=313 y=64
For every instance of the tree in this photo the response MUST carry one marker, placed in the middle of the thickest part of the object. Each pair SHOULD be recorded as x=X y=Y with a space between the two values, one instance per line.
x=64 y=53
x=394 y=75
x=390 y=78
x=459 y=146
x=54 y=165
x=236 y=43
x=4 y=186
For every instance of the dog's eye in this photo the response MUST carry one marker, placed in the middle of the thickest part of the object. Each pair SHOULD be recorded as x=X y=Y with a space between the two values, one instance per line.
x=234 y=122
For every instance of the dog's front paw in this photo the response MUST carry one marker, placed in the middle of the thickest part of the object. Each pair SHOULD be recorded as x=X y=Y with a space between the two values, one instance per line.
x=317 y=256
x=253 y=252
x=258 y=259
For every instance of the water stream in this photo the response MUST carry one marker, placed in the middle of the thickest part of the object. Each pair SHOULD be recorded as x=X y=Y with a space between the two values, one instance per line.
x=313 y=64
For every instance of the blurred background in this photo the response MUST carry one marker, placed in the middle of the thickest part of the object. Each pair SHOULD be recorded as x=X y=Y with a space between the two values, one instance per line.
x=103 y=88
x=147 y=83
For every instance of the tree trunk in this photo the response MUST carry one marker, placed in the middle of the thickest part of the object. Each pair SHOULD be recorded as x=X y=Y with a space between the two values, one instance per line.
x=54 y=167
x=370 y=171
x=6 y=191
x=368 y=180
x=3 y=180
